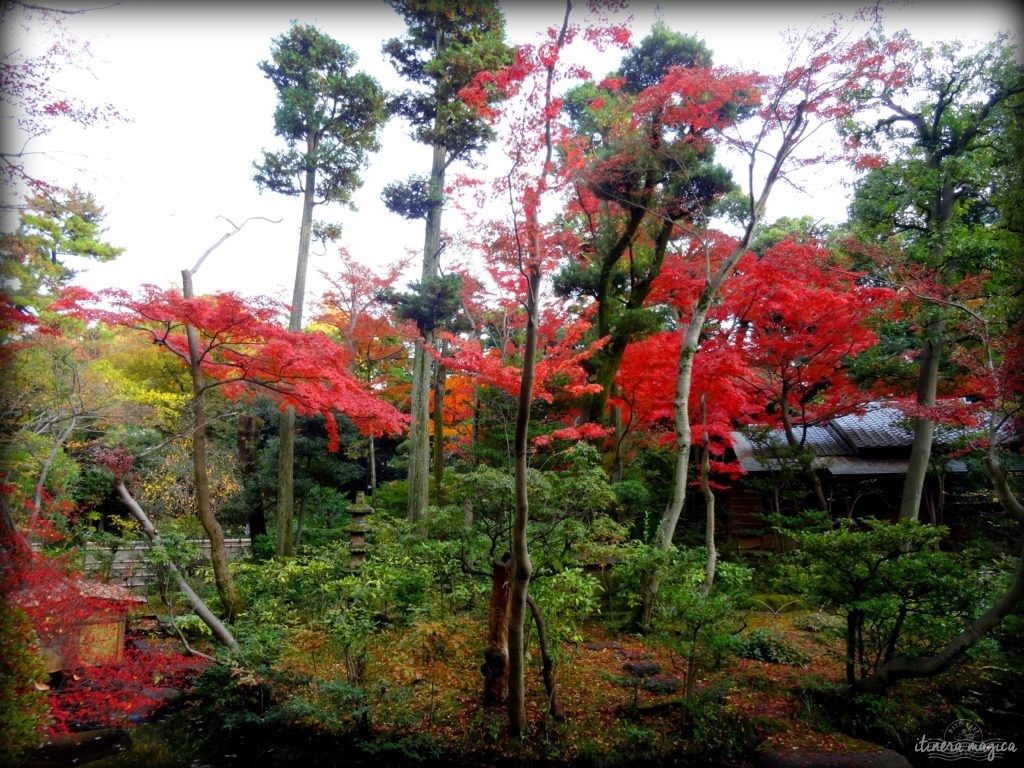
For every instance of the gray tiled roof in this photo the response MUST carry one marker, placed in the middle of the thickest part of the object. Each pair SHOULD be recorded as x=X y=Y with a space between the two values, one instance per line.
x=838 y=445
x=878 y=427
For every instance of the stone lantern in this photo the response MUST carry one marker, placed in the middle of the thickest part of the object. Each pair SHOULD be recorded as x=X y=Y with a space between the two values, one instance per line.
x=357 y=530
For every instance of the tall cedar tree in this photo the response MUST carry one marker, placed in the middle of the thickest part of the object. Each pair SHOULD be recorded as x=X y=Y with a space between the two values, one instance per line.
x=329 y=118
x=444 y=47
x=945 y=121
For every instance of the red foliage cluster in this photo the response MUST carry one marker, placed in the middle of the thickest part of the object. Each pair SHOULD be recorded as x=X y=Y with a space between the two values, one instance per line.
x=120 y=692
x=798 y=319
x=60 y=606
x=243 y=349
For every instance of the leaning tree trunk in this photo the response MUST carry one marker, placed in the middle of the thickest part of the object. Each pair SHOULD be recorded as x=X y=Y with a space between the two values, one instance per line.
x=904 y=667
x=204 y=508
x=219 y=631
x=713 y=282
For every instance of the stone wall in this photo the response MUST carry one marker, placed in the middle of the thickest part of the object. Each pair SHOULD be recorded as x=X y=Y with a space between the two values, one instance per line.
x=129 y=567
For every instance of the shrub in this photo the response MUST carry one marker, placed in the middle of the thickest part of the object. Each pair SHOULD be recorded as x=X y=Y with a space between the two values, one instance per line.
x=897 y=593
x=767 y=645
x=23 y=708
x=818 y=621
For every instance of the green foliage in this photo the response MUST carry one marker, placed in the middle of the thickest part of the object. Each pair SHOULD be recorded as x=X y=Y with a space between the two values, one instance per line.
x=567 y=598
x=716 y=725
x=391 y=498
x=697 y=625
x=174 y=547
x=882 y=719
x=434 y=302
x=647 y=62
x=50 y=228
x=192 y=627
x=768 y=645
x=23 y=708
x=441 y=53
x=897 y=592
x=23 y=458
x=327 y=115
x=818 y=621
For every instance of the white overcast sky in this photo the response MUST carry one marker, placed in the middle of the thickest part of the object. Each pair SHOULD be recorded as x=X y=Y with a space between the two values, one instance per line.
x=201 y=112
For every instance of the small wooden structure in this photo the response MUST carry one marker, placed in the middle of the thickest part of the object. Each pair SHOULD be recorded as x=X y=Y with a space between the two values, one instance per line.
x=98 y=637
x=861 y=460
x=102 y=636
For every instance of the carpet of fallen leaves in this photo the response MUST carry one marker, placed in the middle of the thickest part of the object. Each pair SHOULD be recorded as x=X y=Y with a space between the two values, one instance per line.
x=424 y=687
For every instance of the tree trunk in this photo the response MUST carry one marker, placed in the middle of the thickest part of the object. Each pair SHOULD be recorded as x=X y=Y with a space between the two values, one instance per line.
x=218 y=553
x=806 y=461
x=522 y=567
x=419 y=434
x=300 y=522
x=419 y=437
x=439 y=382
x=792 y=133
x=530 y=266
x=286 y=424
x=924 y=429
x=495 y=666
x=245 y=440
x=546 y=660
x=286 y=482
x=219 y=631
x=372 y=460
x=709 y=503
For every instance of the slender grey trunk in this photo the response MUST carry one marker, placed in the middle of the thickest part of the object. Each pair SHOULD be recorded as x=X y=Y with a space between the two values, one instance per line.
x=37 y=501
x=522 y=567
x=709 y=502
x=439 y=387
x=204 y=507
x=419 y=433
x=713 y=281
x=806 y=462
x=372 y=448
x=286 y=423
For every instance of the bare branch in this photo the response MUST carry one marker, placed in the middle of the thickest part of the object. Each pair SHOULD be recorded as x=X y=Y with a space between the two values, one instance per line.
x=61 y=11
x=234 y=231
